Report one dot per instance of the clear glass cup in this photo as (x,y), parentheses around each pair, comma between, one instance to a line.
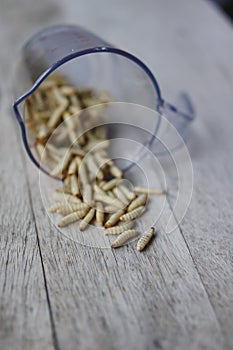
(87,60)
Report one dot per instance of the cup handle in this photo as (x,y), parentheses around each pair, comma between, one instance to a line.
(182,114)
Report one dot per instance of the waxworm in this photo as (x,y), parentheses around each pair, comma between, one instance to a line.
(96,145)
(108,200)
(98,190)
(110,185)
(102,160)
(116,230)
(133,214)
(145,239)
(130,195)
(63,190)
(72,167)
(158,191)
(61,197)
(55,207)
(115,171)
(119,194)
(110,209)
(110,194)
(56,115)
(59,169)
(70,218)
(74,187)
(93,167)
(100,214)
(82,172)
(66,182)
(124,237)
(114,218)
(87,219)
(87,194)
(141,200)
(70,208)
(40,150)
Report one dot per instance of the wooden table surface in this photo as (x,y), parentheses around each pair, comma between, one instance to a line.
(57,294)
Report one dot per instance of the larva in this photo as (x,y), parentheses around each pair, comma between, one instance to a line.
(72,217)
(72,167)
(70,208)
(145,239)
(158,191)
(110,185)
(133,214)
(100,214)
(115,171)
(87,194)
(87,219)
(124,237)
(141,200)
(130,195)
(112,201)
(82,172)
(61,197)
(58,170)
(114,218)
(74,187)
(93,167)
(119,194)
(116,230)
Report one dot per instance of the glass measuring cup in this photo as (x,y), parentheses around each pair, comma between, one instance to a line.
(87,60)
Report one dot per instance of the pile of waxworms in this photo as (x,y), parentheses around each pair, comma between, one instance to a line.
(93,186)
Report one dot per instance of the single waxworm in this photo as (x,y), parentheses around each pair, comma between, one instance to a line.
(102,160)
(70,208)
(55,207)
(141,200)
(130,195)
(59,169)
(87,194)
(100,214)
(72,167)
(108,200)
(115,171)
(158,191)
(114,218)
(43,132)
(133,214)
(96,145)
(70,218)
(93,167)
(145,239)
(110,209)
(82,172)
(98,190)
(61,197)
(40,150)
(119,194)
(109,185)
(74,186)
(87,219)
(111,194)
(56,115)
(124,237)
(116,230)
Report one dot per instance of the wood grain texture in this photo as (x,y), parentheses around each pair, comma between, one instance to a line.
(178,293)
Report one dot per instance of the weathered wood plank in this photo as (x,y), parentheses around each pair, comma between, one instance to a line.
(25,319)
(24,313)
(123,299)
(103,299)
